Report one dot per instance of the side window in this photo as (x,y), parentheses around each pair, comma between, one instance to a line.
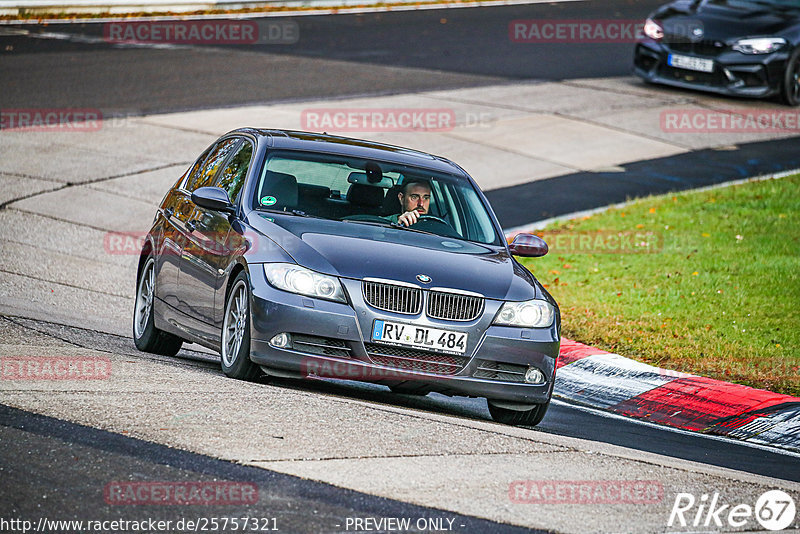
(205,175)
(232,176)
(194,169)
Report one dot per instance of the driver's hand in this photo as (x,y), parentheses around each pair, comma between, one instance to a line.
(408,218)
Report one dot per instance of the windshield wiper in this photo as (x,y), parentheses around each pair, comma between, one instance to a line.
(388,224)
(402,227)
(371,223)
(296,213)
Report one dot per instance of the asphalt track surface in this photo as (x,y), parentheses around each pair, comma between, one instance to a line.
(57,469)
(66,466)
(543,199)
(336,57)
(370,54)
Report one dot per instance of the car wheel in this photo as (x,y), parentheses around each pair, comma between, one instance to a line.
(235,342)
(790,92)
(146,336)
(530,417)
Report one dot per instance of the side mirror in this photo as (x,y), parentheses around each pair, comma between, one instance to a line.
(528,245)
(213,198)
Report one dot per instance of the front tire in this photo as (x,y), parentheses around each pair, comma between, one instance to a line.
(530,417)
(790,89)
(235,342)
(146,336)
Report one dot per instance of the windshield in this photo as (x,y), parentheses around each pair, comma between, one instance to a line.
(354,190)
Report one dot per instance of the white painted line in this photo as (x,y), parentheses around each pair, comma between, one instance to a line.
(288,13)
(605,380)
(779,429)
(88,39)
(611,415)
(539,225)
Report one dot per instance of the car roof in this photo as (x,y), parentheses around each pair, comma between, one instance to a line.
(346,146)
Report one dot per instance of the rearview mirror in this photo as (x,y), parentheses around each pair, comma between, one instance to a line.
(528,245)
(212,198)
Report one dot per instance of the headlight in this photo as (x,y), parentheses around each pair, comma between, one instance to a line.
(759,45)
(296,279)
(653,29)
(528,314)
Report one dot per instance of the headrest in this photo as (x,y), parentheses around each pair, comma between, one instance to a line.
(365,195)
(282,186)
(391,204)
(313,191)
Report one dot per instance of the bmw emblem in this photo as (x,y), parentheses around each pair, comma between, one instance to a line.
(697,32)
(424,278)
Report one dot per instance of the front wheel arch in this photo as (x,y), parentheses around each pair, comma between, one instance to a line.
(790,92)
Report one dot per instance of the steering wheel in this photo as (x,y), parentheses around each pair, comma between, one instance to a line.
(432,218)
(435,225)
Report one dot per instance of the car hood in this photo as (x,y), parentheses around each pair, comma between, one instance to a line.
(724,20)
(353,250)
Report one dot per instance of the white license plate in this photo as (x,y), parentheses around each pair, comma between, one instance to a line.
(690,63)
(419,337)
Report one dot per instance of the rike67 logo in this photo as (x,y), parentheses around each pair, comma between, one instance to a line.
(773,510)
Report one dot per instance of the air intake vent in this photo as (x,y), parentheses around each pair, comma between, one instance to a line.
(507,372)
(415,360)
(322,346)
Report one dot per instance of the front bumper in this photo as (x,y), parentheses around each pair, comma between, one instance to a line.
(734,74)
(333,339)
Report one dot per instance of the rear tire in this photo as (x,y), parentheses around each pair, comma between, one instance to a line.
(790,89)
(235,337)
(146,336)
(530,417)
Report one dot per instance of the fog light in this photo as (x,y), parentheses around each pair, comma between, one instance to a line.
(282,341)
(534,376)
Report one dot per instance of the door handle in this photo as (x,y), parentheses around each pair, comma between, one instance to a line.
(191,225)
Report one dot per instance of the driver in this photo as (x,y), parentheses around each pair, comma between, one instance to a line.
(415,199)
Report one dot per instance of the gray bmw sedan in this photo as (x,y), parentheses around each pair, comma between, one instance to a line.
(297,254)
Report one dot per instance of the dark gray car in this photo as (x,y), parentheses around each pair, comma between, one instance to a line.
(282,251)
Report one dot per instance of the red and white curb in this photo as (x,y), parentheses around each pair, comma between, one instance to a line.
(610,382)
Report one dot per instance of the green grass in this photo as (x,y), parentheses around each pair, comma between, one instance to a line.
(718,296)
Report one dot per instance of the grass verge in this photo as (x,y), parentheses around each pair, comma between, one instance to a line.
(705,282)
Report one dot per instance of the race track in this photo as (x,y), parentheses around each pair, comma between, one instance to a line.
(322,453)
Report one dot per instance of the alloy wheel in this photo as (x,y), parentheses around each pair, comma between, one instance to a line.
(144,297)
(235,324)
